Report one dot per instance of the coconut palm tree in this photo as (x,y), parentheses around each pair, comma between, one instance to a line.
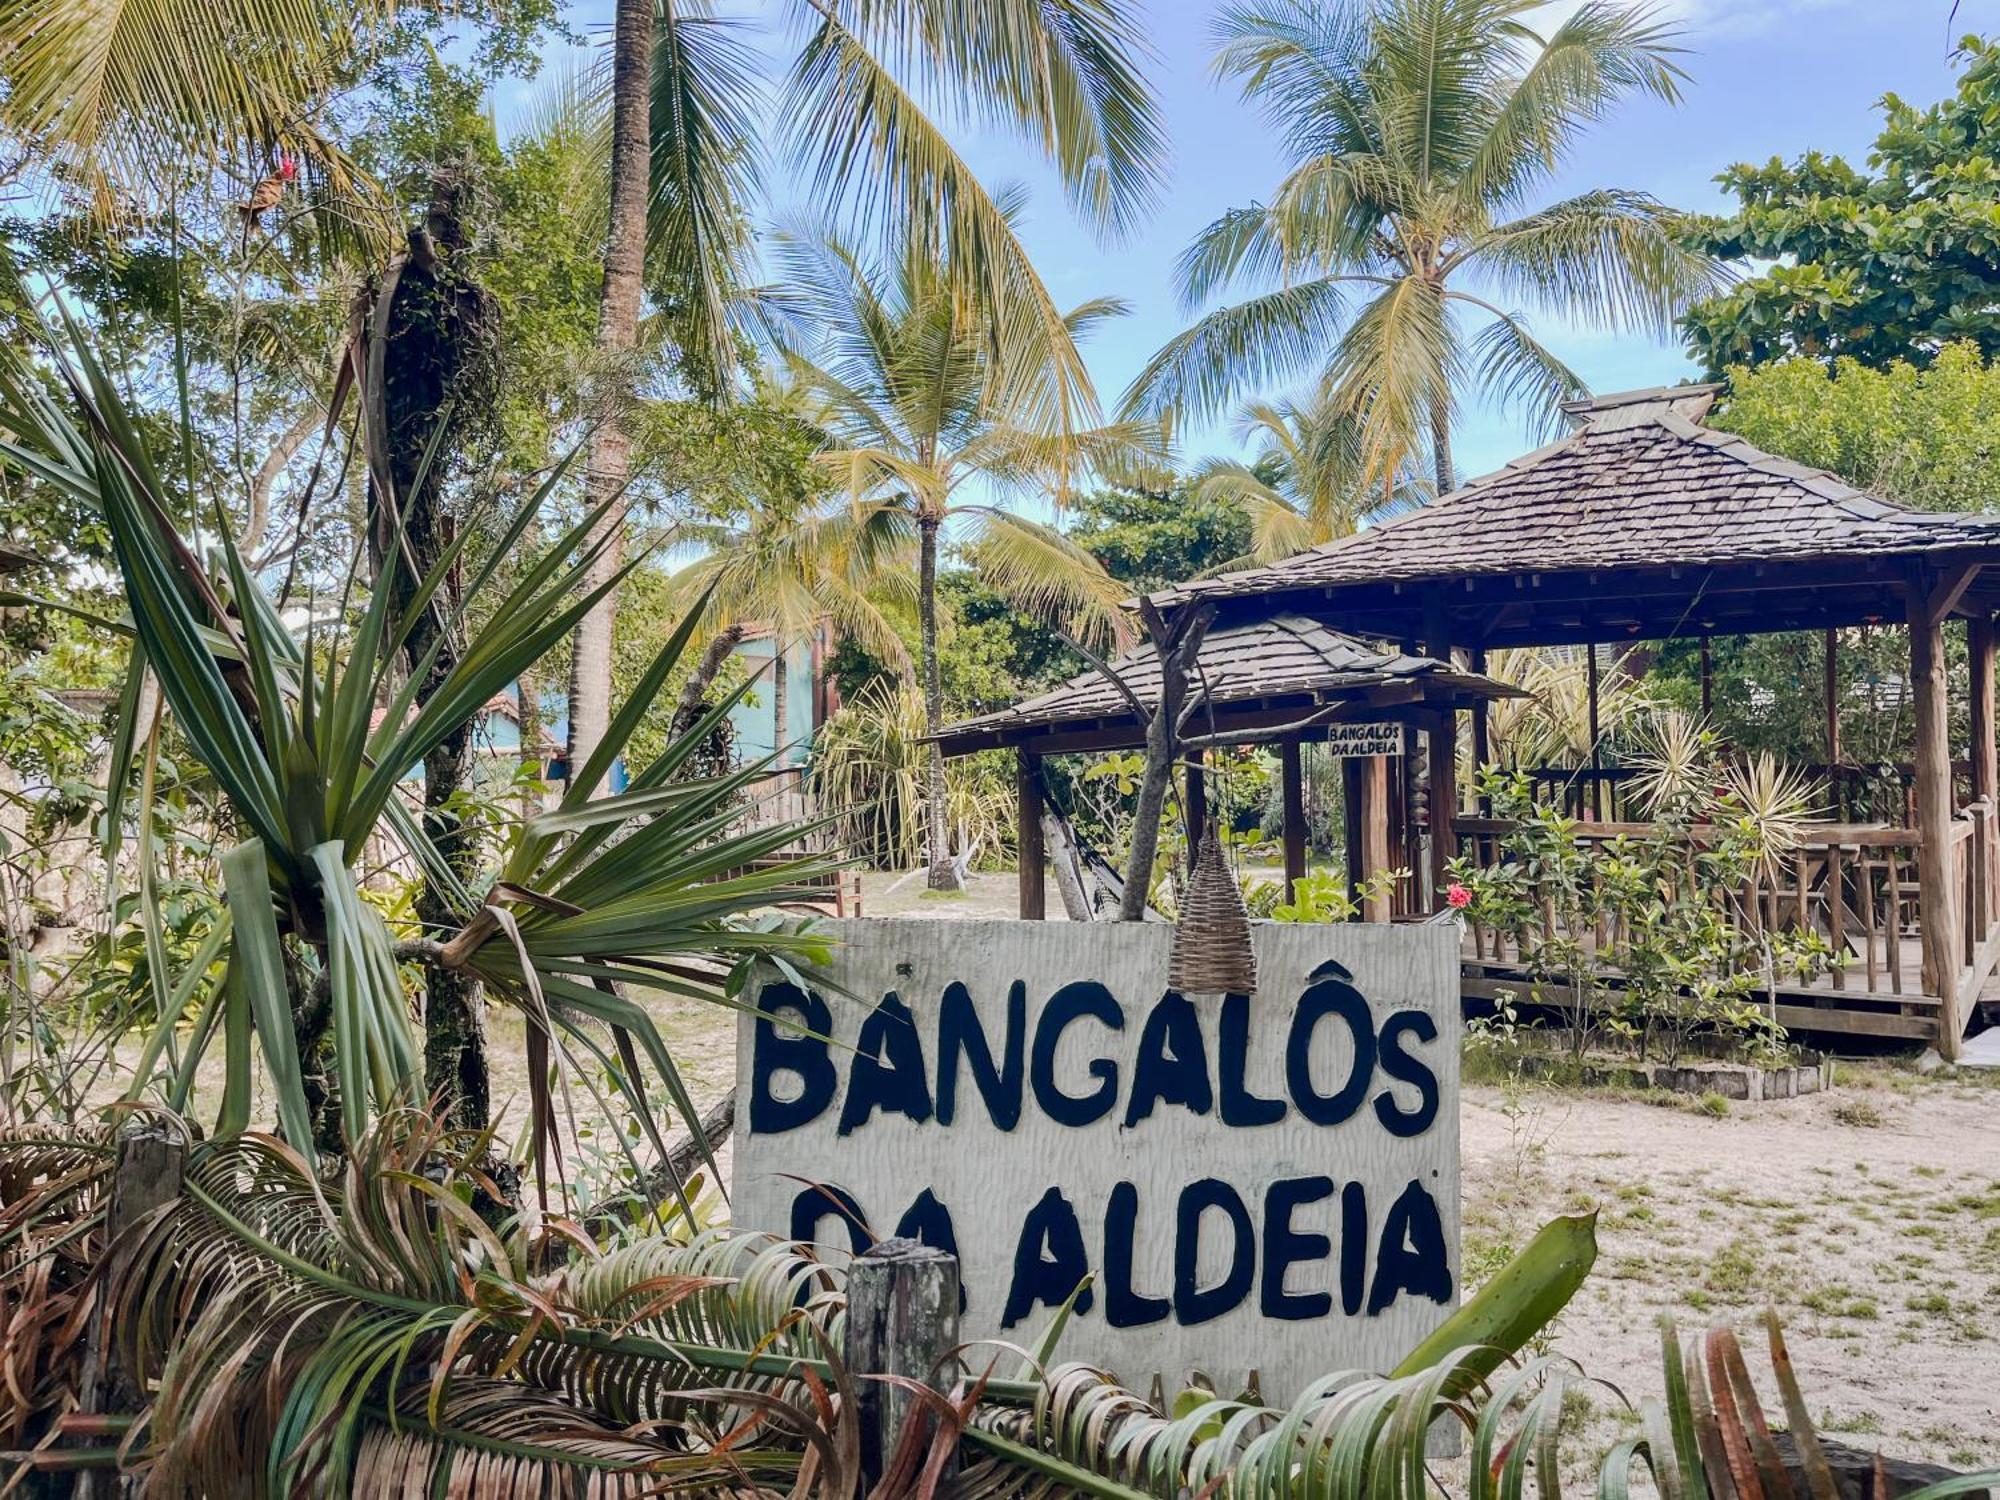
(1310,481)
(1405,237)
(939,406)
(1060,74)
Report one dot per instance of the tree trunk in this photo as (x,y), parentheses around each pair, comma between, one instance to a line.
(1152,804)
(1441,451)
(435,329)
(781,703)
(693,701)
(529,686)
(608,466)
(943,873)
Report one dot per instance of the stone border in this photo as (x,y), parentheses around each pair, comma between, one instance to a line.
(1740,1083)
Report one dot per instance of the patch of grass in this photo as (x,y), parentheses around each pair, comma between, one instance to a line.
(1931,1304)
(1837,1301)
(1860,1422)
(1859,1113)
(1713,1105)
(944,895)
(1482,1257)
(1733,1271)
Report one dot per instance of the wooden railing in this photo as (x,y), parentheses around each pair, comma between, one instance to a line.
(1851,793)
(1855,884)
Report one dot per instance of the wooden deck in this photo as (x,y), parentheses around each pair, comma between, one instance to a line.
(1858,886)
(1815,1007)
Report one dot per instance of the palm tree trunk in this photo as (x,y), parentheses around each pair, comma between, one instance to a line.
(1441,450)
(694,692)
(609,464)
(943,873)
(780,702)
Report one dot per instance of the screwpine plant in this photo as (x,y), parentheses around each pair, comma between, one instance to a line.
(1640,939)
(307,735)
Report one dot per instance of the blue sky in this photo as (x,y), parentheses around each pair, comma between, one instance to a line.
(1769,77)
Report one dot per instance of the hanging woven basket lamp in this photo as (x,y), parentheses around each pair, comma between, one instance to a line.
(1211,953)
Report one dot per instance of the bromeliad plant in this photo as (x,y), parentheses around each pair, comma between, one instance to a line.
(309,734)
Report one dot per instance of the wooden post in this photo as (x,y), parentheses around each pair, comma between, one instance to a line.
(151,1157)
(1028,836)
(1443,757)
(1291,768)
(1352,811)
(1707,679)
(1197,803)
(902,1320)
(1833,697)
(1979,651)
(1482,747)
(1596,732)
(1937,891)
(1375,832)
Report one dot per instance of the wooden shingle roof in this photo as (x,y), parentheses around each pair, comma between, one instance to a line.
(1641,483)
(1266,672)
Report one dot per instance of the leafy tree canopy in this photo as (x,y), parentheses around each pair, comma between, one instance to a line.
(1882,265)
(1922,436)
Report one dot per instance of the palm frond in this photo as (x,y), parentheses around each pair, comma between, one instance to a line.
(1515,369)
(1602,52)
(864,138)
(1610,253)
(704,169)
(1049,575)
(1263,341)
(128,96)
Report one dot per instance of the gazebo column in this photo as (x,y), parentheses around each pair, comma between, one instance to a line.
(1979,652)
(1028,835)
(1292,769)
(1197,802)
(1938,903)
(1482,742)
(1374,819)
(1443,758)
(1352,813)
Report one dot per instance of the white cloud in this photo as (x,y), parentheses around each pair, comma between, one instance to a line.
(1722,20)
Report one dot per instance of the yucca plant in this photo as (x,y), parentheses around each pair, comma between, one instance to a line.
(308,738)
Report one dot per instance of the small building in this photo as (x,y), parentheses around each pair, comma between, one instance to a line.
(1285,681)
(1646,525)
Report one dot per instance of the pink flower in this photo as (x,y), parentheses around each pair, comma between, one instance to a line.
(1457,895)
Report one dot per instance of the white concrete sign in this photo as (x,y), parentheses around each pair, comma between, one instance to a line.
(1261,1183)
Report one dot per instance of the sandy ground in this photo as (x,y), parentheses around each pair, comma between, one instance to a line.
(1868,1217)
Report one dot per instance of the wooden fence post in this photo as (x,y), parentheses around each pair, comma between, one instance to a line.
(902,1320)
(151,1158)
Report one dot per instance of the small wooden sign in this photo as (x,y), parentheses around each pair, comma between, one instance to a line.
(1262,1182)
(1365,739)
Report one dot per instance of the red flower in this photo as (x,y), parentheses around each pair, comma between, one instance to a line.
(1457,895)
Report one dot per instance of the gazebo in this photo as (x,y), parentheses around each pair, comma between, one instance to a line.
(1645,525)
(1283,679)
